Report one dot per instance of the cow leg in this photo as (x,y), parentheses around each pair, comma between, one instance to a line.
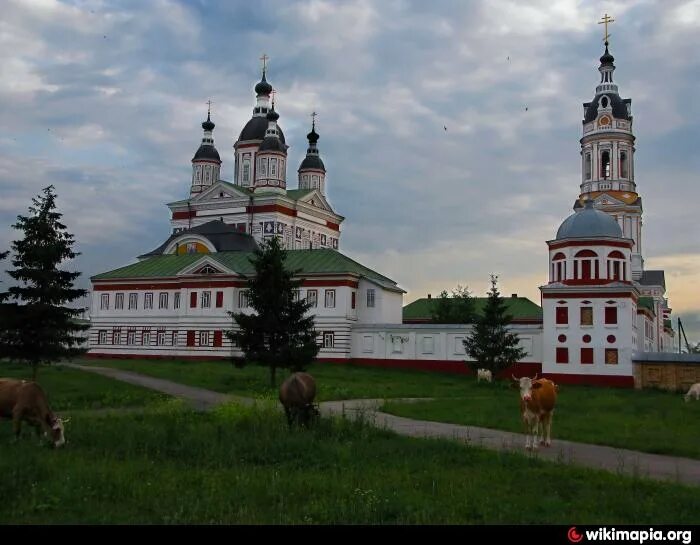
(548,441)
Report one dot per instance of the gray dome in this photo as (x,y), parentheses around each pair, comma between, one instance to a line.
(207,151)
(255,130)
(312,161)
(272,143)
(589,223)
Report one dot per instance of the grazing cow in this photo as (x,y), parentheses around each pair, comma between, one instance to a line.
(484,374)
(22,400)
(694,391)
(537,399)
(297,395)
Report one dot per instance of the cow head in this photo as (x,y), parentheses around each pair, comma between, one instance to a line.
(57,436)
(526,385)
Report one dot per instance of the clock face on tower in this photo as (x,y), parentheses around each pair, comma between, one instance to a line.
(604,120)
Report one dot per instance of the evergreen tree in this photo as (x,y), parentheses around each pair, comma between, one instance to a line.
(455,309)
(36,325)
(277,334)
(491,346)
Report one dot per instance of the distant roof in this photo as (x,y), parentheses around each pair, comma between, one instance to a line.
(224,237)
(653,278)
(521,308)
(306,261)
(646,302)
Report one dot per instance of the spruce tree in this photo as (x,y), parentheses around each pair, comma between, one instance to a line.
(37,326)
(278,334)
(491,346)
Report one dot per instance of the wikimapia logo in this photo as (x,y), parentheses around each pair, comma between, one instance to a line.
(636,536)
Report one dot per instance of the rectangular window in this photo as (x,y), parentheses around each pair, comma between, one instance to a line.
(273,167)
(203,338)
(352,300)
(193,299)
(611,356)
(160,337)
(116,335)
(328,339)
(163,300)
(119,301)
(133,301)
(246,173)
(148,300)
(370,298)
(586,355)
(146,336)
(102,336)
(428,345)
(219,299)
(218,338)
(562,315)
(263,166)
(176,300)
(243,299)
(330,298)
(131,336)
(368,343)
(173,341)
(610,315)
(562,355)
(104,301)
(190,338)
(586,315)
(206,299)
(312,297)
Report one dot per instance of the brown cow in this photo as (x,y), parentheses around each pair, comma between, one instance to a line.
(22,400)
(297,394)
(537,399)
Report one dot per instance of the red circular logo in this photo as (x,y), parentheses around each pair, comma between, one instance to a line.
(611,338)
(573,535)
(586,338)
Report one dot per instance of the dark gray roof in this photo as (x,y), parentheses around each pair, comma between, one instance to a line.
(255,129)
(589,222)
(272,143)
(207,151)
(619,107)
(653,278)
(312,161)
(224,237)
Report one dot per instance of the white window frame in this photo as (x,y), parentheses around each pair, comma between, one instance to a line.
(160,337)
(371,297)
(204,338)
(205,300)
(176,300)
(329,297)
(163,296)
(148,300)
(312,297)
(104,301)
(131,336)
(146,336)
(119,301)
(328,339)
(102,336)
(133,301)
(243,299)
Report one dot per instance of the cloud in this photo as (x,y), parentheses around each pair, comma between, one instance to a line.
(105,100)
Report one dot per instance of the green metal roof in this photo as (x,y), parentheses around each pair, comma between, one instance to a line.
(296,194)
(521,308)
(646,302)
(306,261)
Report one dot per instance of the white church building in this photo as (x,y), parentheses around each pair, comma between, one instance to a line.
(599,309)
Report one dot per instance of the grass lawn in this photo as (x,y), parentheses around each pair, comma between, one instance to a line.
(241,465)
(70,389)
(649,420)
(333,381)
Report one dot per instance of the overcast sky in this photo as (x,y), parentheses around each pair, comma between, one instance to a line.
(105,100)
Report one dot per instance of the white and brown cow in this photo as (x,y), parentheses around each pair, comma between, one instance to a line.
(537,400)
(22,400)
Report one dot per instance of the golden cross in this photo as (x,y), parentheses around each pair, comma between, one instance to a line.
(264,59)
(605,20)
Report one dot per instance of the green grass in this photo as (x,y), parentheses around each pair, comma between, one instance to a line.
(241,465)
(649,420)
(70,389)
(333,381)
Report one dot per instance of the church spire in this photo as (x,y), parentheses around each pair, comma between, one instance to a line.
(206,163)
(271,169)
(312,172)
(262,91)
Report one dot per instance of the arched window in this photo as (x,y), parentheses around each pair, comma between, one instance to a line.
(605,164)
(246,172)
(586,265)
(558,267)
(624,170)
(273,167)
(587,166)
(263,166)
(617,266)
(604,102)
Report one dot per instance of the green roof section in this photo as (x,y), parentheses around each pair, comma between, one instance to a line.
(646,302)
(320,261)
(238,188)
(296,194)
(521,308)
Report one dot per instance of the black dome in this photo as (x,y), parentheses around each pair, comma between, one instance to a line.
(255,130)
(313,136)
(607,58)
(272,143)
(263,87)
(208,125)
(207,151)
(272,115)
(619,107)
(312,161)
